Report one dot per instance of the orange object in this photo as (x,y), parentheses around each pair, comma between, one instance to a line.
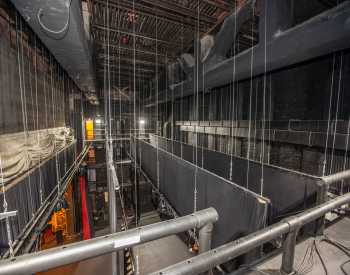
(91,155)
(195,248)
(59,221)
(89,128)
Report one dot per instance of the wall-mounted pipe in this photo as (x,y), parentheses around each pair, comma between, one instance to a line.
(51,258)
(243,245)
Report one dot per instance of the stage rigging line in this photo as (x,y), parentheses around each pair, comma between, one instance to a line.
(336,110)
(157,104)
(197,56)
(233,94)
(270,119)
(262,157)
(250,95)
(255,115)
(37,119)
(182,89)
(135,124)
(32,106)
(329,118)
(345,155)
(20,55)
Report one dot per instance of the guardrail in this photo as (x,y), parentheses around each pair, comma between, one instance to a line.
(288,227)
(51,258)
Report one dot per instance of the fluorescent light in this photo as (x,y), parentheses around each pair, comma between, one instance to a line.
(142,121)
(98,121)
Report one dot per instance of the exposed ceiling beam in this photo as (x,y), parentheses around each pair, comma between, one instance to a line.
(179,9)
(126,67)
(116,48)
(123,60)
(225,6)
(136,34)
(169,17)
(126,73)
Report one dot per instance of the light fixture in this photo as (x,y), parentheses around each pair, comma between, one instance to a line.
(98,121)
(142,121)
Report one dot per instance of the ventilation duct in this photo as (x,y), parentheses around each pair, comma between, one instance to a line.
(60,26)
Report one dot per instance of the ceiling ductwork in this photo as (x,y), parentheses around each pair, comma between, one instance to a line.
(60,26)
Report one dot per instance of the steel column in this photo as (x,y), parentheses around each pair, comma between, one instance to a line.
(204,239)
(289,253)
(205,234)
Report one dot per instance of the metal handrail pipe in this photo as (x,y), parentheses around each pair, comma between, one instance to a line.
(343,175)
(229,251)
(51,258)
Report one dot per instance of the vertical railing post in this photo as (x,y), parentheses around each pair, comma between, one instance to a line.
(289,253)
(204,239)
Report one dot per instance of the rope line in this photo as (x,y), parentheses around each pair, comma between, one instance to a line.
(329,118)
(250,98)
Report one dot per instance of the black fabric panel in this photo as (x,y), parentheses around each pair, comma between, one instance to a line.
(24,196)
(288,190)
(241,211)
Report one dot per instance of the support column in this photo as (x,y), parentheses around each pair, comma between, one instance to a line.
(289,253)
(205,237)
(112,201)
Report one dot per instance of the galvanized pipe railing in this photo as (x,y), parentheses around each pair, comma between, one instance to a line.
(343,175)
(229,251)
(51,258)
(46,209)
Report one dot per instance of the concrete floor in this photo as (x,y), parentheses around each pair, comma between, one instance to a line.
(158,254)
(155,255)
(332,256)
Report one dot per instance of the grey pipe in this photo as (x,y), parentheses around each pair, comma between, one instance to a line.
(337,177)
(204,239)
(289,252)
(229,251)
(51,258)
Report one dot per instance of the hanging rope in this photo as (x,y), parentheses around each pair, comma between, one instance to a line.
(233,95)
(135,125)
(255,118)
(37,119)
(121,191)
(197,54)
(182,91)
(262,158)
(329,118)
(337,111)
(20,60)
(157,104)
(250,97)
(203,110)
(345,155)
(54,125)
(270,119)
